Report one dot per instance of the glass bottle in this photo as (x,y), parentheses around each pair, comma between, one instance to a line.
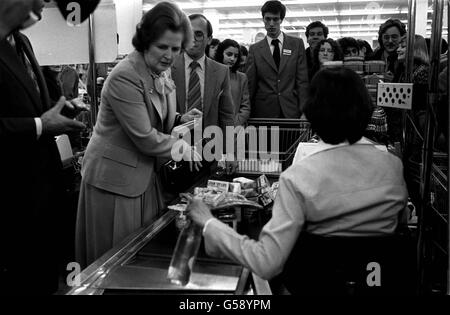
(184,255)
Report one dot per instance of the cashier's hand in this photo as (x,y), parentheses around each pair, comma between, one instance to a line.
(54,123)
(191,115)
(198,211)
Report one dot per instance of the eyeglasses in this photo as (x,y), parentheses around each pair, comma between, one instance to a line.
(386,37)
(199,36)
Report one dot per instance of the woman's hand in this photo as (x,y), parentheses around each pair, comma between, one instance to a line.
(191,115)
(198,211)
(194,159)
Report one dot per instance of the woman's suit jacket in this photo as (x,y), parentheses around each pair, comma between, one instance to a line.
(130,132)
(241,97)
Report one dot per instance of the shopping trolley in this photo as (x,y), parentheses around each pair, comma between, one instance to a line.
(275,153)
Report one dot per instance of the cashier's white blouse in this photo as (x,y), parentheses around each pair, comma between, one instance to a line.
(335,190)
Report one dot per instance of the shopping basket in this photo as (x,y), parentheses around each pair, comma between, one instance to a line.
(275,152)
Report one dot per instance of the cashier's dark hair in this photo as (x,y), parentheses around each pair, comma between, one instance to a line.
(339,107)
(164,16)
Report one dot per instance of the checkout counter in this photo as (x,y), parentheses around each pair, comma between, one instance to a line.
(140,263)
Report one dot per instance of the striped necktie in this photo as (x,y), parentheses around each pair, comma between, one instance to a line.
(194,95)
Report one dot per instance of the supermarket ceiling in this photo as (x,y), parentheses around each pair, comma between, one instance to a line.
(241,19)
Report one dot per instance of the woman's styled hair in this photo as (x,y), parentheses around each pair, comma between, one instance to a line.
(222,47)
(164,16)
(339,107)
(387,25)
(338,54)
(421,50)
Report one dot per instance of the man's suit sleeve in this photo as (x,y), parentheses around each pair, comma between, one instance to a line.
(251,74)
(226,105)
(244,108)
(17,126)
(22,127)
(301,79)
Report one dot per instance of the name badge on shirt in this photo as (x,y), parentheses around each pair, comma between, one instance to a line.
(287,52)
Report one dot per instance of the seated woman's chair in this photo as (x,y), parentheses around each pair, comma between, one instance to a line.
(319,265)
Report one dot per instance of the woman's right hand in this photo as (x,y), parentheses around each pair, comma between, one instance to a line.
(191,115)
(194,158)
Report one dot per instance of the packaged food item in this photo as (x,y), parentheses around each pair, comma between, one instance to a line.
(235,188)
(245,182)
(247,193)
(219,185)
(265,199)
(262,182)
(274,189)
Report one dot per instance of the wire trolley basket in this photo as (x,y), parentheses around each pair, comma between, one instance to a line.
(270,144)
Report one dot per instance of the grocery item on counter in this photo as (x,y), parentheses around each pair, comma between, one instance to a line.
(262,182)
(218,185)
(274,189)
(235,188)
(245,182)
(251,192)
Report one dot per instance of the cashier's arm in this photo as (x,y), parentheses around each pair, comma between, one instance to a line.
(265,257)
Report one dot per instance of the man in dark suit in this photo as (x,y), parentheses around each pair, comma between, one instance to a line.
(277,72)
(30,163)
(315,32)
(202,83)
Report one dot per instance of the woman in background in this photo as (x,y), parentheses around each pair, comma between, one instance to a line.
(229,54)
(211,49)
(326,50)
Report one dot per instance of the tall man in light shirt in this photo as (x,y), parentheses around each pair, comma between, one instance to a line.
(201,82)
(277,71)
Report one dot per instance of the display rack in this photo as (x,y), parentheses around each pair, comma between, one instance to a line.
(432,176)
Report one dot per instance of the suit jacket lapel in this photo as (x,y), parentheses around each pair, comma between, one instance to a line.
(265,51)
(179,77)
(286,45)
(11,60)
(149,85)
(210,85)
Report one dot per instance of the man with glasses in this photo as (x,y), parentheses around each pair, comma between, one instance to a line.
(389,36)
(277,71)
(203,84)
(315,32)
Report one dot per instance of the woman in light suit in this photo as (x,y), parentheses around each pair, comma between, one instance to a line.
(120,191)
(229,54)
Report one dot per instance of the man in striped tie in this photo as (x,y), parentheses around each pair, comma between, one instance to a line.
(201,82)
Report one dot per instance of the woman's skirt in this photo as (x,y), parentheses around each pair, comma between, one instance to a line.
(105,219)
